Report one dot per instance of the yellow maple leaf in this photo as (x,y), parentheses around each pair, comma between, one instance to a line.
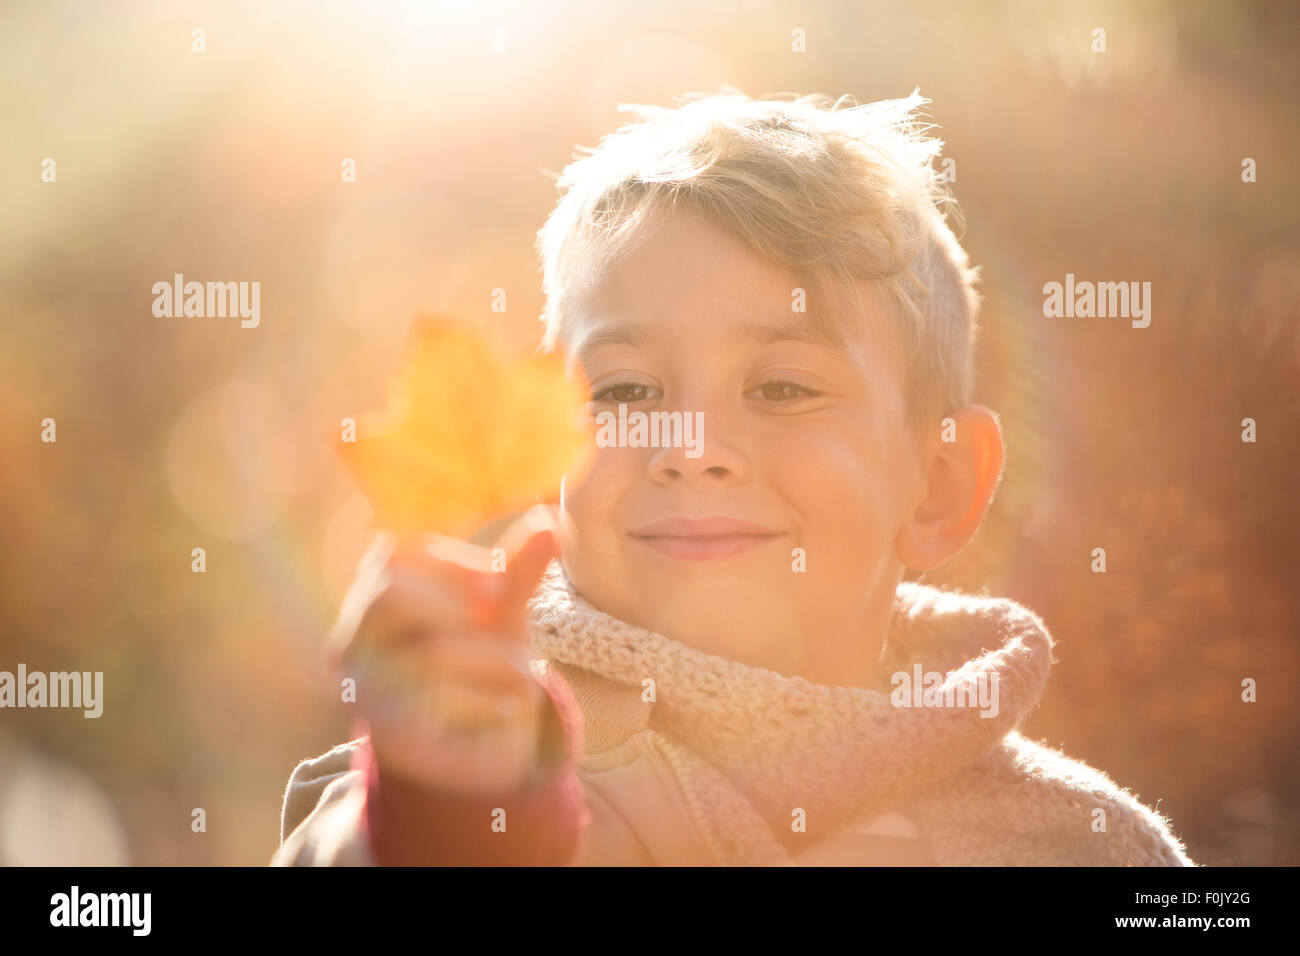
(467,437)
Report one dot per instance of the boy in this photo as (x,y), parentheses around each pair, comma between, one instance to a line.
(727,666)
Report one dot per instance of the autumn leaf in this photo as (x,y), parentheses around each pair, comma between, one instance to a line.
(468,438)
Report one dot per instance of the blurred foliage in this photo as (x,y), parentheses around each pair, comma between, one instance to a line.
(175,434)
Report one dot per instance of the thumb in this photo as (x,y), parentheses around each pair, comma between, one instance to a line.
(530,544)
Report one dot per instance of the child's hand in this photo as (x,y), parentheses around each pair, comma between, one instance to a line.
(438,645)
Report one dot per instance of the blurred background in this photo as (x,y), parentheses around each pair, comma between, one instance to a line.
(225,164)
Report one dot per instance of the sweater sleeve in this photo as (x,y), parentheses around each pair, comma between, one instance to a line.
(404,823)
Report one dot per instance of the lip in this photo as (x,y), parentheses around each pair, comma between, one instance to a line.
(704,538)
(711,527)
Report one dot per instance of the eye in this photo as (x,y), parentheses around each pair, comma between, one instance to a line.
(623,393)
(777,390)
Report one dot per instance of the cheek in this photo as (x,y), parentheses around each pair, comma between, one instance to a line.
(592,505)
(841,482)
(593,514)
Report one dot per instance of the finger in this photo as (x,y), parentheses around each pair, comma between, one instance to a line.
(450,681)
(468,660)
(443,548)
(531,543)
(364,584)
(440,555)
(467,566)
(459,707)
(407,606)
(379,551)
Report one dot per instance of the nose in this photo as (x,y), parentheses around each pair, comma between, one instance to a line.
(716,459)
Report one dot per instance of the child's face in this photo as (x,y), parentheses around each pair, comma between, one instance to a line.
(806,442)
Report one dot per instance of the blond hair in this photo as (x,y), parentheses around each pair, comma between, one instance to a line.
(838,192)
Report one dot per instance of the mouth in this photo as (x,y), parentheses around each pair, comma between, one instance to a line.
(704,538)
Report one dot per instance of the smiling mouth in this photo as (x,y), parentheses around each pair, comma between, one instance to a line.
(705,547)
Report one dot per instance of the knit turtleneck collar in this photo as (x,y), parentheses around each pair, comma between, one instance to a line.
(843,755)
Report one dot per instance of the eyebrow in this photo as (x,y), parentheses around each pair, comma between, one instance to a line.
(762,334)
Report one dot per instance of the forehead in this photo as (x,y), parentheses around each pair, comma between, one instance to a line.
(758,332)
(684,278)
(679,257)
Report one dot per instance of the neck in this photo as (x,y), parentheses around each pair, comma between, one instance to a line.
(849,655)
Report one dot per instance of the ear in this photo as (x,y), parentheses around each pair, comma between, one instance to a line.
(961,476)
